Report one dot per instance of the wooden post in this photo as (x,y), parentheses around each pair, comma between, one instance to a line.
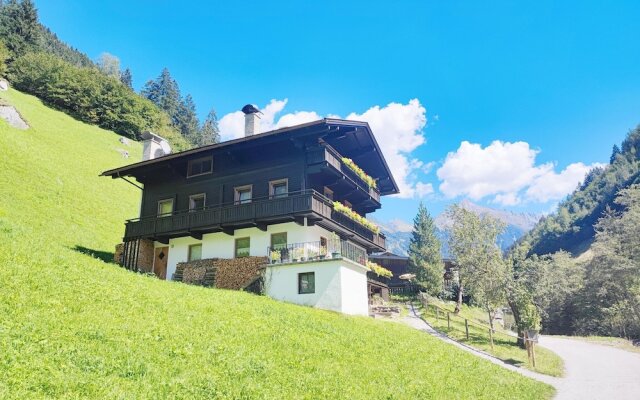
(491,337)
(466,327)
(533,353)
(448,321)
(526,344)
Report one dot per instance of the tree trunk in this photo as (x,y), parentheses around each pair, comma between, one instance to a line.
(459,302)
(488,307)
(516,318)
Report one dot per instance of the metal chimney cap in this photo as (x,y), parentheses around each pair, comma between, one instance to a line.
(250,109)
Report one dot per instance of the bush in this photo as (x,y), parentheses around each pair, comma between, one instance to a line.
(90,96)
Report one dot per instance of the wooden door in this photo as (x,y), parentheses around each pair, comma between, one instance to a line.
(161,255)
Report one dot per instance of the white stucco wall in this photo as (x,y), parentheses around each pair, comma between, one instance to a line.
(221,245)
(340,285)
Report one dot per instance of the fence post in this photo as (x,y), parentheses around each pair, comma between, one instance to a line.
(533,354)
(448,321)
(526,344)
(466,327)
(491,337)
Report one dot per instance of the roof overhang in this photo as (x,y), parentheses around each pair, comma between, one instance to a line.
(352,139)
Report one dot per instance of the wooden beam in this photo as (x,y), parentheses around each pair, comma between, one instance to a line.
(164,240)
(228,231)
(299,221)
(195,235)
(262,227)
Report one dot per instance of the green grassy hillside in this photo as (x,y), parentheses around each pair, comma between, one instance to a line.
(73,326)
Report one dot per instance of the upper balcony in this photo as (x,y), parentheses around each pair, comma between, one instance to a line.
(260,213)
(326,164)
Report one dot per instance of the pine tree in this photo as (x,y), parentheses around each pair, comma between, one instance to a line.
(126,78)
(165,93)
(614,153)
(209,132)
(19,27)
(425,260)
(186,120)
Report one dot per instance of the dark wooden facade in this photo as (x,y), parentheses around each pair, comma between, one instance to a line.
(308,157)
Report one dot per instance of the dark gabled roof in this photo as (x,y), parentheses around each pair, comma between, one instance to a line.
(388,186)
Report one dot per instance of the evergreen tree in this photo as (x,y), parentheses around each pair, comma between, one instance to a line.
(19,27)
(425,260)
(209,132)
(126,78)
(164,92)
(4,54)
(186,120)
(614,153)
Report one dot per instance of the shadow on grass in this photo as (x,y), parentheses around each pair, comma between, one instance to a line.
(512,361)
(101,255)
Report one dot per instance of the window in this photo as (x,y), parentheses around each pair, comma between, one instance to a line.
(195,252)
(279,240)
(243,194)
(278,188)
(242,247)
(200,166)
(197,201)
(328,193)
(307,282)
(165,207)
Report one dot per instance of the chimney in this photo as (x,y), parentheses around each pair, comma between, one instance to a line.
(153,146)
(251,119)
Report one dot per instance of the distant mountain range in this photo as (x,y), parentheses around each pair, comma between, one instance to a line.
(398,232)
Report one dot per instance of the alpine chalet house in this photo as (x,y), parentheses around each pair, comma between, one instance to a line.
(292,201)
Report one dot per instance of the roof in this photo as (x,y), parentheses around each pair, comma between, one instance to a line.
(306,129)
(387,255)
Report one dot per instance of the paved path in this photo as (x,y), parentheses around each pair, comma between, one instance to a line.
(414,321)
(595,371)
(592,371)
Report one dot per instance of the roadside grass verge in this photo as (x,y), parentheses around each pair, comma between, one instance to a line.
(616,342)
(74,326)
(505,344)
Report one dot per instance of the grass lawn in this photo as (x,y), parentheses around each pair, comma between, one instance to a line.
(505,346)
(617,342)
(75,326)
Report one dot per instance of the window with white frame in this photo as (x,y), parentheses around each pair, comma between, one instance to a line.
(200,166)
(279,188)
(243,194)
(197,201)
(306,282)
(165,207)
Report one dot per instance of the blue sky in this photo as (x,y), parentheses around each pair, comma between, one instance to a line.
(557,83)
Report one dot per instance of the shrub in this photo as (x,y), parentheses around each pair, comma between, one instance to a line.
(90,96)
(363,175)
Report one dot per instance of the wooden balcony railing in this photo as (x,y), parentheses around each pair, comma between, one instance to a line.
(267,210)
(334,159)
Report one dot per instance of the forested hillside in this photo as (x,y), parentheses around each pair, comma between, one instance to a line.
(36,61)
(571,227)
(598,292)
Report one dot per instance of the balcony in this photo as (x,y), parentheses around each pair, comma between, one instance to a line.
(316,251)
(326,157)
(259,213)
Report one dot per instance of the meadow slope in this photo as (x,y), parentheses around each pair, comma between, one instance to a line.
(75,326)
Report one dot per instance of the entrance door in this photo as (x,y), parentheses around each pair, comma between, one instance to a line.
(161,255)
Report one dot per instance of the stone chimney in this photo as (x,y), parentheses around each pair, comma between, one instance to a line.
(153,146)
(251,119)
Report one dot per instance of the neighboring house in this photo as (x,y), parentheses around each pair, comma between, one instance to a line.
(399,266)
(295,196)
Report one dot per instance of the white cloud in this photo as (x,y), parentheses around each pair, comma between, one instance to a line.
(554,186)
(507,172)
(397,128)
(423,189)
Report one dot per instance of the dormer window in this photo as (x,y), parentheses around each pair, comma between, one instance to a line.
(200,166)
